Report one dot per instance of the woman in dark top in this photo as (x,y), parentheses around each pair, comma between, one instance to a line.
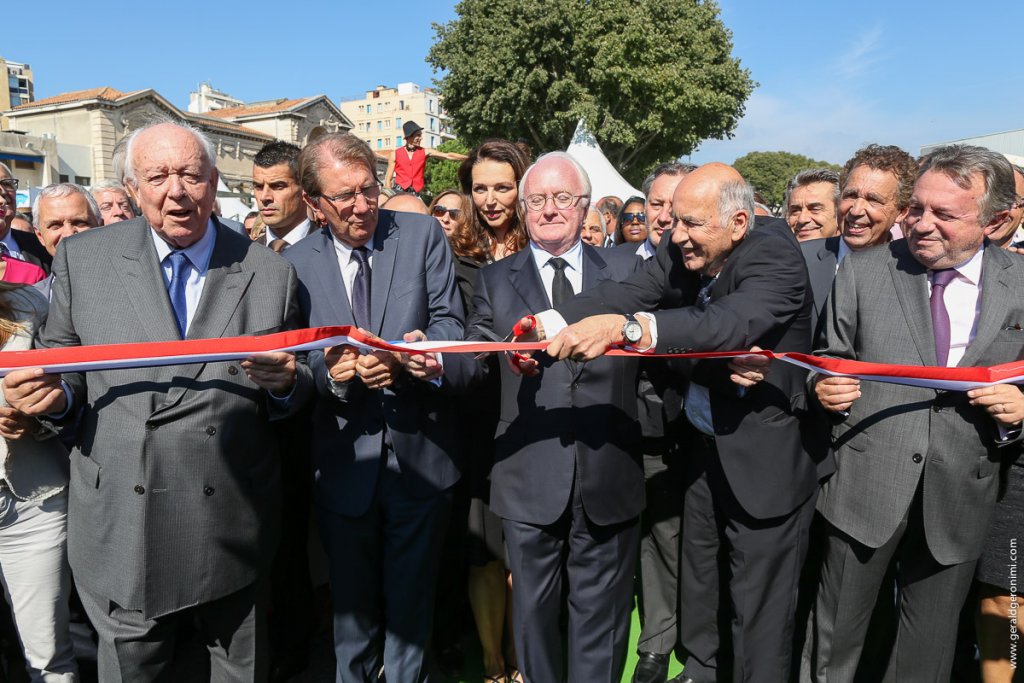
(494,229)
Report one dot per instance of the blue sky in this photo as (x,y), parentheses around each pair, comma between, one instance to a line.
(833,76)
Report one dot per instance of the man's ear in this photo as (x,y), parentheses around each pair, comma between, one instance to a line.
(740,224)
(997,222)
(318,216)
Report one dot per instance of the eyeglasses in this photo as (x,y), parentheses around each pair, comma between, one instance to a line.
(9,183)
(631,216)
(439,211)
(370,193)
(562,200)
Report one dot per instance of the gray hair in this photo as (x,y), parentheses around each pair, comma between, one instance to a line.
(61,190)
(809,177)
(205,144)
(673,168)
(565,156)
(600,217)
(7,168)
(960,162)
(106,185)
(736,195)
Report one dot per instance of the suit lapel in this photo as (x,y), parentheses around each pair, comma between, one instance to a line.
(385,249)
(526,281)
(143,279)
(594,270)
(996,297)
(331,283)
(910,279)
(225,284)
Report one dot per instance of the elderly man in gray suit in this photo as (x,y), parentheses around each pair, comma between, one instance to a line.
(174,480)
(917,469)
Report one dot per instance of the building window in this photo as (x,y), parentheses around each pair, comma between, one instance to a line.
(380,107)
(398,122)
(380,126)
(433,141)
(380,144)
(63,178)
(83,180)
(401,104)
(433,124)
(430,103)
(398,141)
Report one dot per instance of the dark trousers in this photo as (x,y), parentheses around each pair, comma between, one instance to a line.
(383,570)
(930,598)
(133,649)
(660,539)
(760,558)
(598,563)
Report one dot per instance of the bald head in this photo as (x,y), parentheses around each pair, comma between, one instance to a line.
(713,208)
(409,203)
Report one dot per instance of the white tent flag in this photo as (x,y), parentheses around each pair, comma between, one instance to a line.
(604,179)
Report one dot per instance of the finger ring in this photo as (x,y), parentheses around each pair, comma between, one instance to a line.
(579,357)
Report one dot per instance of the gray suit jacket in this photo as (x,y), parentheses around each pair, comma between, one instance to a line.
(895,435)
(35,467)
(174,480)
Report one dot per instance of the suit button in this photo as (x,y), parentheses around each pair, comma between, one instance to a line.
(232,370)
(936,408)
(208,490)
(211,430)
(151,427)
(917,458)
(575,385)
(140,489)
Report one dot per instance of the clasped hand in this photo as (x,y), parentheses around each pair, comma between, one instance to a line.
(380,369)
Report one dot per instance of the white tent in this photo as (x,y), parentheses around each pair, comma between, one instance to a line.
(604,179)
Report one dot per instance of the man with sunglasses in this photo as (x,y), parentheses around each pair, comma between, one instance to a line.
(20,245)
(384,442)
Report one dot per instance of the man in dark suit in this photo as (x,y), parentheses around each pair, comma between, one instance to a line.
(567,479)
(874,189)
(174,490)
(384,441)
(276,188)
(752,291)
(918,468)
(16,243)
(660,390)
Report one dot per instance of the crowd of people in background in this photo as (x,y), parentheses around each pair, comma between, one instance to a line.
(770,524)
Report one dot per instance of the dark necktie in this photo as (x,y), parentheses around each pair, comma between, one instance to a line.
(361,288)
(704,294)
(176,289)
(561,288)
(277,245)
(940,317)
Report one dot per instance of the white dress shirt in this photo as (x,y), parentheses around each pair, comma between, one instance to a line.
(963,303)
(573,267)
(645,250)
(199,261)
(292,236)
(844,250)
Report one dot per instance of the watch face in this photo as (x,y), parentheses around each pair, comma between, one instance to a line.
(633,332)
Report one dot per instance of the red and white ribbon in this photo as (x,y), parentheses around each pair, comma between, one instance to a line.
(192,351)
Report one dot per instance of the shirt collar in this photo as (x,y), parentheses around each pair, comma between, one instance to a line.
(198,254)
(971,269)
(844,250)
(645,250)
(573,258)
(292,236)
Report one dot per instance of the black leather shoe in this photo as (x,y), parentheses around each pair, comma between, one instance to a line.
(652,668)
(682,678)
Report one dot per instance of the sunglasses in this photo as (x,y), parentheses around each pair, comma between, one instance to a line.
(439,211)
(629,217)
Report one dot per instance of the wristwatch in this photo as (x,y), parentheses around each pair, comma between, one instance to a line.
(632,331)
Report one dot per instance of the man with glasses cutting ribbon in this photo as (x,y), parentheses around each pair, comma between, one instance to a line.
(384,440)
(567,479)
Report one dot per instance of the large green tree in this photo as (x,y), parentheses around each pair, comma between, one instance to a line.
(652,78)
(441,174)
(770,172)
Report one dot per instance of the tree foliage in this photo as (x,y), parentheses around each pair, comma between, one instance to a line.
(770,172)
(652,78)
(441,174)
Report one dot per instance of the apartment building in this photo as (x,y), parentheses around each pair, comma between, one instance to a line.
(378,118)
